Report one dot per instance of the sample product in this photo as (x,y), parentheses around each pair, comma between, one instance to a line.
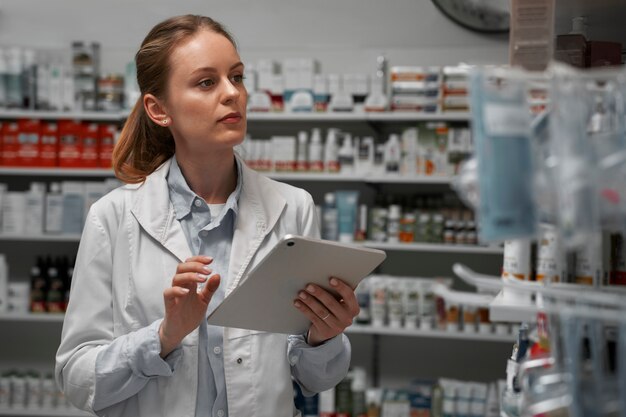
(347,214)
(550,255)
(330,218)
(516,259)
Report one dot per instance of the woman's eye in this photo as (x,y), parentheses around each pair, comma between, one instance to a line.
(206,83)
(238,78)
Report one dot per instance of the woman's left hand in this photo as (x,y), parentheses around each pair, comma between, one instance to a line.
(329,316)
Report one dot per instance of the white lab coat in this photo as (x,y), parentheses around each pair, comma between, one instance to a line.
(128,255)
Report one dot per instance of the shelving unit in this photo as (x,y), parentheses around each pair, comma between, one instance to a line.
(43,413)
(404,254)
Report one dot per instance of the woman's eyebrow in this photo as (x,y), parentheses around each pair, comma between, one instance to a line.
(212,69)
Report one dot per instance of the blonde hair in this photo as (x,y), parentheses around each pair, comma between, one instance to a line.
(143,145)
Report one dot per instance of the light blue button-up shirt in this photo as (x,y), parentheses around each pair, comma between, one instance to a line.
(209,231)
(211,234)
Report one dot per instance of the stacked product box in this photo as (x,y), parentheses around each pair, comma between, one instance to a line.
(454,92)
(65,143)
(415,89)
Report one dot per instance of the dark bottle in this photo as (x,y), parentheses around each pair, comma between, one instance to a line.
(38,287)
(55,300)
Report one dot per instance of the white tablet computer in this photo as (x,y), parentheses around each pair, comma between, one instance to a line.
(264,300)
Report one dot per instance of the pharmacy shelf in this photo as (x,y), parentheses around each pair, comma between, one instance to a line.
(281,176)
(64,172)
(42,412)
(435,247)
(436,334)
(356,116)
(40,238)
(33,317)
(372,179)
(96,116)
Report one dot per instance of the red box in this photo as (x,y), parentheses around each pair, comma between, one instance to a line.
(89,145)
(29,140)
(49,155)
(10,143)
(69,144)
(107,135)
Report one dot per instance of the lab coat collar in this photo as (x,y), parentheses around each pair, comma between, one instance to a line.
(260,206)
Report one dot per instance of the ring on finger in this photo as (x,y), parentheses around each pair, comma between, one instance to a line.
(326,316)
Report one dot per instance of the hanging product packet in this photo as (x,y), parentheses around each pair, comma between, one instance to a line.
(502,131)
(576,173)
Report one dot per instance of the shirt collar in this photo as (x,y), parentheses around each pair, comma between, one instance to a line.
(182,197)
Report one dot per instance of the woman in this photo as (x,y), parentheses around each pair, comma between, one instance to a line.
(158,254)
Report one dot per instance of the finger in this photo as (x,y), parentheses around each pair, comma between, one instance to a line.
(188,279)
(200,258)
(172,293)
(211,286)
(310,314)
(193,267)
(347,294)
(329,301)
(323,312)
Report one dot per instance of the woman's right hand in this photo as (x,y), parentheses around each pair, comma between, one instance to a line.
(185,307)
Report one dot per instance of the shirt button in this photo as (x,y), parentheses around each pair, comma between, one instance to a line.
(239,360)
(204,233)
(197,203)
(220,413)
(217,350)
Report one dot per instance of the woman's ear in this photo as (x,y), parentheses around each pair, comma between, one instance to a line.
(155,110)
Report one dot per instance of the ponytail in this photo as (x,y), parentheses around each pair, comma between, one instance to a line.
(141,148)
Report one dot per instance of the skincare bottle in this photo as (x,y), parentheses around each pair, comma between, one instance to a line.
(330,219)
(316,152)
(331,159)
(359,385)
(4,284)
(393,223)
(35,209)
(29,77)
(73,194)
(14,78)
(302,160)
(346,155)
(54,209)
(392,154)
(3,76)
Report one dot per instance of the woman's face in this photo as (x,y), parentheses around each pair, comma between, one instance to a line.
(206,98)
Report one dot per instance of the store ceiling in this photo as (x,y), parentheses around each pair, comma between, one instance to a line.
(606,19)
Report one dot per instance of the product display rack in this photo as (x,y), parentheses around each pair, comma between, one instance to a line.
(406,247)
(42,412)
(355,328)
(379,122)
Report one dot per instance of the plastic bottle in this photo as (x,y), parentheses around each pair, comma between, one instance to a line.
(3,82)
(393,223)
(4,283)
(35,209)
(330,225)
(13,78)
(38,288)
(54,209)
(359,385)
(346,155)
(316,152)
(378,220)
(331,157)
(29,79)
(302,160)
(392,154)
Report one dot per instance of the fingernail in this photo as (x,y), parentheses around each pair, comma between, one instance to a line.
(334,282)
(297,304)
(185,290)
(203,277)
(310,289)
(302,295)
(207,269)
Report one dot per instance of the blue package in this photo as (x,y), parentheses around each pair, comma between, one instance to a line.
(502,132)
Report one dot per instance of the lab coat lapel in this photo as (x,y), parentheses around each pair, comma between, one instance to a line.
(154,212)
(260,206)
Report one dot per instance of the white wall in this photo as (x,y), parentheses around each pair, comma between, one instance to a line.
(345,35)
